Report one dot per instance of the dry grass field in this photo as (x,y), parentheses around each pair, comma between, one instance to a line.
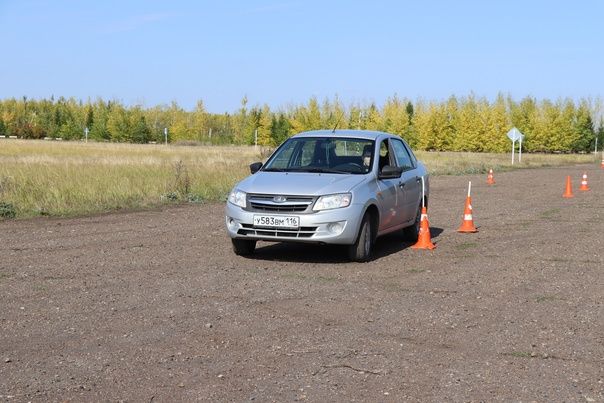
(74,178)
(54,178)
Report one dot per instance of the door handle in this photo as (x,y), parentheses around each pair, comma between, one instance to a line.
(418,179)
(401,184)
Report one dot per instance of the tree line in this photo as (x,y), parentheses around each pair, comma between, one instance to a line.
(467,123)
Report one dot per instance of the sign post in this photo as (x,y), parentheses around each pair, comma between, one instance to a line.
(166,135)
(423,193)
(515,135)
(86,134)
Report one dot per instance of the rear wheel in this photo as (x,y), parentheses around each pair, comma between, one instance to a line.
(360,251)
(243,247)
(412,233)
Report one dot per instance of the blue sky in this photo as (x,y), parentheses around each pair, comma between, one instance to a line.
(282,52)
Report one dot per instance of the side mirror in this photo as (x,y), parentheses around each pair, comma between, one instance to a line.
(255,167)
(390,172)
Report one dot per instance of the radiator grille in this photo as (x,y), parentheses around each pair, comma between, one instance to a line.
(286,204)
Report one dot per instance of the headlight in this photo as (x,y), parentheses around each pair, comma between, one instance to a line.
(333,201)
(237,197)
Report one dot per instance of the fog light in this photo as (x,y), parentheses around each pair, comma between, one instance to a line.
(232,224)
(336,227)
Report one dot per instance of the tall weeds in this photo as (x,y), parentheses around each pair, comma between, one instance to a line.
(68,178)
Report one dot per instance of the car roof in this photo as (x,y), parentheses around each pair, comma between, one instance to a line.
(361,134)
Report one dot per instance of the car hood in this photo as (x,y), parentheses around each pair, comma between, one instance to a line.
(299,183)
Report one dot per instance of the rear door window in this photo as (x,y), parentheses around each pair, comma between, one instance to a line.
(411,154)
(402,155)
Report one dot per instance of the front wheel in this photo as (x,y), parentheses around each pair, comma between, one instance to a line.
(243,247)
(411,233)
(360,251)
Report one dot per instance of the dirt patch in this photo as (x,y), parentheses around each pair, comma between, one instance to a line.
(154,305)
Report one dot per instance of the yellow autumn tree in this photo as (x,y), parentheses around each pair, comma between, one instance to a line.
(307,117)
(395,117)
(265,121)
(199,122)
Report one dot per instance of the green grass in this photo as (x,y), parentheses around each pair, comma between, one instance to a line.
(547,298)
(295,276)
(40,288)
(549,214)
(462,163)
(466,245)
(74,178)
(326,279)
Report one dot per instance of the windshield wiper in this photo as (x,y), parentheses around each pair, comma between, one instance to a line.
(317,170)
(274,170)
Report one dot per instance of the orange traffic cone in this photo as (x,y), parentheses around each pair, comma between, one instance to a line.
(423,240)
(584,186)
(568,193)
(467,224)
(602,165)
(490,178)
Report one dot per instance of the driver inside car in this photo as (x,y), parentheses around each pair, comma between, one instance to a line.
(367,156)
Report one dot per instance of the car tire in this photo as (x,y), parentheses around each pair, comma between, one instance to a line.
(243,247)
(361,250)
(411,233)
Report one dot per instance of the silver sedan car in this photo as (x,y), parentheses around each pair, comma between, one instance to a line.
(344,187)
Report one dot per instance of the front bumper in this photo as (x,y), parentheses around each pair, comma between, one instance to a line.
(337,226)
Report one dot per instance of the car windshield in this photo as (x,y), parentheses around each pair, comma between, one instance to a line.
(323,155)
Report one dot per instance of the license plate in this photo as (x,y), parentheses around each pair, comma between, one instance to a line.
(276,221)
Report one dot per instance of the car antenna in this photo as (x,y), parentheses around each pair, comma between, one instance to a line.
(338,122)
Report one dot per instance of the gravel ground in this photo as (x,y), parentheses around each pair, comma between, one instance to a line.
(154,306)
